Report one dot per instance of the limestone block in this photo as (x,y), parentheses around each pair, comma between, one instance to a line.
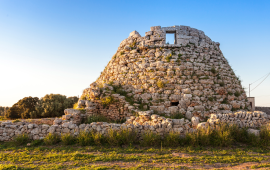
(186,91)
(173,109)
(134,34)
(187,96)
(195,120)
(71,111)
(189,115)
(178,121)
(57,121)
(254,131)
(146,96)
(178,130)
(30,126)
(203,125)
(175,98)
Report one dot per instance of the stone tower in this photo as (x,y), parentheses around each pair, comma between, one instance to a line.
(191,77)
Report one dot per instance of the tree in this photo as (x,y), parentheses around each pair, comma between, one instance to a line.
(3,110)
(53,105)
(22,108)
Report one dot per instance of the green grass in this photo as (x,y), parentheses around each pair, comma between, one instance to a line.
(96,157)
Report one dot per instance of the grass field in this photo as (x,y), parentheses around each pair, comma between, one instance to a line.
(131,157)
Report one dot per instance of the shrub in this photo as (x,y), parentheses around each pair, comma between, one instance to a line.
(107,101)
(17,120)
(96,118)
(68,139)
(237,94)
(160,84)
(211,99)
(222,84)
(113,137)
(37,142)
(51,139)
(177,116)
(121,137)
(265,135)
(85,138)
(150,139)
(213,70)
(221,136)
(128,137)
(168,58)
(198,138)
(171,139)
(99,139)
(21,139)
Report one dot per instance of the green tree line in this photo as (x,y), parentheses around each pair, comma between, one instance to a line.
(3,110)
(51,105)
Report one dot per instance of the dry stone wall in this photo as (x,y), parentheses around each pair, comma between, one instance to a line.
(263,109)
(145,122)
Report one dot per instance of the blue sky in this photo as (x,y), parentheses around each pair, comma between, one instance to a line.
(61,46)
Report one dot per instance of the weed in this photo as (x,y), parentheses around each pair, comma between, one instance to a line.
(150,138)
(222,84)
(51,139)
(68,139)
(107,101)
(213,70)
(98,138)
(171,139)
(85,138)
(160,84)
(37,142)
(17,120)
(21,139)
(237,94)
(225,101)
(96,118)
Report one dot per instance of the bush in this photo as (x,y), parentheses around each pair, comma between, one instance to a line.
(168,58)
(21,139)
(128,137)
(113,137)
(85,138)
(222,136)
(99,139)
(160,84)
(37,142)
(198,138)
(150,139)
(121,137)
(237,94)
(265,136)
(96,118)
(213,70)
(68,139)
(171,139)
(52,139)
(107,101)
